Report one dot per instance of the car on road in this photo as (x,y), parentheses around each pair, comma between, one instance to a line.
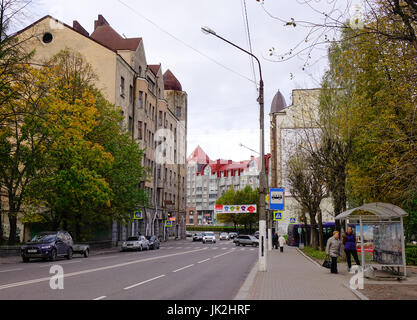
(224,236)
(198,236)
(188,234)
(246,240)
(256,234)
(153,242)
(137,243)
(209,237)
(232,235)
(48,245)
(83,249)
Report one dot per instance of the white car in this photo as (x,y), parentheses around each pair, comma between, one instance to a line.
(209,236)
(138,243)
(224,236)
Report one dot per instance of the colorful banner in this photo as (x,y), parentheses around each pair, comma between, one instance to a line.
(238,208)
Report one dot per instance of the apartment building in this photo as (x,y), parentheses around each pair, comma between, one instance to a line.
(151,101)
(207,180)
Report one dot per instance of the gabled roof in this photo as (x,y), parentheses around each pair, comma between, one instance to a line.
(278,103)
(171,82)
(106,35)
(198,156)
(154,68)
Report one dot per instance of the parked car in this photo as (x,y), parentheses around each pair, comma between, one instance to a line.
(256,234)
(198,236)
(246,240)
(232,235)
(153,242)
(135,243)
(188,234)
(48,245)
(83,249)
(209,237)
(224,236)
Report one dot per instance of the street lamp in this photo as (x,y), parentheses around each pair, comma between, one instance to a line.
(262,177)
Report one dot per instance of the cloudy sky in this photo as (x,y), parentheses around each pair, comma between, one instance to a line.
(223,110)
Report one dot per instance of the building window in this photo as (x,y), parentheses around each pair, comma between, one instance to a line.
(130,124)
(140,71)
(130,95)
(140,104)
(178,112)
(122,87)
(160,119)
(140,130)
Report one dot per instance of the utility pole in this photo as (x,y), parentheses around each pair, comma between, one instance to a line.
(262,178)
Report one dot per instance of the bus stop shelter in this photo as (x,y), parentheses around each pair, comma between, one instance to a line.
(381,231)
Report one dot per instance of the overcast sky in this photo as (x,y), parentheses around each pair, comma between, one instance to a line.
(222,106)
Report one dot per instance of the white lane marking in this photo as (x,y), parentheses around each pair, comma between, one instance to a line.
(100,298)
(58,262)
(224,248)
(72,274)
(215,248)
(203,260)
(219,255)
(242,249)
(179,247)
(101,258)
(183,268)
(10,270)
(146,281)
(252,249)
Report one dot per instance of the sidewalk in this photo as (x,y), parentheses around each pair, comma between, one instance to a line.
(292,276)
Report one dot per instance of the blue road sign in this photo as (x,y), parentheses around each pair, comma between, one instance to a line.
(276,198)
(168,223)
(293,220)
(137,215)
(277,215)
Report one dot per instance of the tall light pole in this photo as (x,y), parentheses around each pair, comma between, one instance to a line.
(262,178)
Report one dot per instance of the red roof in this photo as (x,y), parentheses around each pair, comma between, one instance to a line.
(106,35)
(171,82)
(154,68)
(199,156)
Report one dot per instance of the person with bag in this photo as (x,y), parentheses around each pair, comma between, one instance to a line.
(281,243)
(349,242)
(334,250)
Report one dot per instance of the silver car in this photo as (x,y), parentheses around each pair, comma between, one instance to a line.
(138,243)
(224,236)
(209,236)
(246,240)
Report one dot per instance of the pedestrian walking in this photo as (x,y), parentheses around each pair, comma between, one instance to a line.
(281,243)
(275,241)
(334,250)
(349,243)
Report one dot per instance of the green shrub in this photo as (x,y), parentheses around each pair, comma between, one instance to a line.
(411,255)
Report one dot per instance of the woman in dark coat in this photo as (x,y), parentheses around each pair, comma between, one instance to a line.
(349,242)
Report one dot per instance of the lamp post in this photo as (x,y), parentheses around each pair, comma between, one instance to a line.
(262,178)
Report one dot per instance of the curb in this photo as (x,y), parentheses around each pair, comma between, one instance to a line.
(308,258)
(357,293)
(243,292)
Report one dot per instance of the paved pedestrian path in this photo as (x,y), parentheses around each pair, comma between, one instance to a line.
(291,276)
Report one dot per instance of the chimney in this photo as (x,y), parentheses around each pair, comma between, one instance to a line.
(79,28)
(100,22)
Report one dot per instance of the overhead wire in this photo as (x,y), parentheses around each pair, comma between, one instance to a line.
(248,37)
(183,42)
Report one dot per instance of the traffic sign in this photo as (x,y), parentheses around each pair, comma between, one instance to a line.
(293,220)
(168,223)
(138,215)
(276,198)
(277,215)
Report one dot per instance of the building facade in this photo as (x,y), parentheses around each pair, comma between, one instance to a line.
(153,104)
(292,126)
(207,180)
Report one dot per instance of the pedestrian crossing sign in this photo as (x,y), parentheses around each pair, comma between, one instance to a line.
(138,215)
(293,220)
(168,223)
(277,215)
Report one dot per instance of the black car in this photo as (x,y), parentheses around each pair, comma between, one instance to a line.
(153,242)
(48,245)
(198,237)
(232,235)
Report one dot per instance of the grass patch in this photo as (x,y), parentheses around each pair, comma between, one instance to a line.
(318,255)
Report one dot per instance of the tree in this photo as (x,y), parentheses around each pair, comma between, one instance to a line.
(306,184)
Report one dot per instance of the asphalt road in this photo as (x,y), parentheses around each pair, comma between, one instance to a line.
(178,270)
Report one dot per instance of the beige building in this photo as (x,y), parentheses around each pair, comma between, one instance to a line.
(291,127)
(151,101)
